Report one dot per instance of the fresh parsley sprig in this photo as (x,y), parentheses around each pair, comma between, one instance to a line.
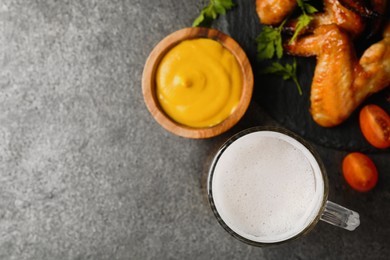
(211,12)
(287,71)
(304,19)
(269,42)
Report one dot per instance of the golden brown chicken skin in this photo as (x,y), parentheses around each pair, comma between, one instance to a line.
(341,82)
(352,19)
(333,13)
(373,71)
(336,13)
(273,12)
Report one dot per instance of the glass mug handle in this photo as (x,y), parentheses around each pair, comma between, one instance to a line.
(339,216)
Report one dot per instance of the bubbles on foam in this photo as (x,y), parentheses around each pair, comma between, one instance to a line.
(267,186)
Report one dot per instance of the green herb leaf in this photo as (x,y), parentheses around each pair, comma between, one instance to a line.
(288,71)
(304,19)
(305,7)
(310,9)
(269,43)
(211,12)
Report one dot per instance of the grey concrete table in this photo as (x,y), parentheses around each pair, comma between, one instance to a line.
(86,173)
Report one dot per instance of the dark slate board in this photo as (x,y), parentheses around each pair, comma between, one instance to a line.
(281,100)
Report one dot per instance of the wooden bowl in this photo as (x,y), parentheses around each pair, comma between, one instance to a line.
(149,83)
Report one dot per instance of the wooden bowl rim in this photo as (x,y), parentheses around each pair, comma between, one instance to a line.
(148,82)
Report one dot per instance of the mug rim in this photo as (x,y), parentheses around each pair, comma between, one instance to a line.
(280,130)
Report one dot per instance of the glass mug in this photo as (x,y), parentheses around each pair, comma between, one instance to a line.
(266,185)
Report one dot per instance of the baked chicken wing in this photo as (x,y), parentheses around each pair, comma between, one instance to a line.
(341,82)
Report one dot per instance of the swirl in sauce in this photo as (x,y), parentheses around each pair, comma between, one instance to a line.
(199,83)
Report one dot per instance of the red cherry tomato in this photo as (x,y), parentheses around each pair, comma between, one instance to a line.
(360,171)
(375,126)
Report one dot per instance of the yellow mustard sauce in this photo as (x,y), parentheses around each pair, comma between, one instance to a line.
(199,83)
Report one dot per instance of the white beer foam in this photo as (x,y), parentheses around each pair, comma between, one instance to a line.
(267,187)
